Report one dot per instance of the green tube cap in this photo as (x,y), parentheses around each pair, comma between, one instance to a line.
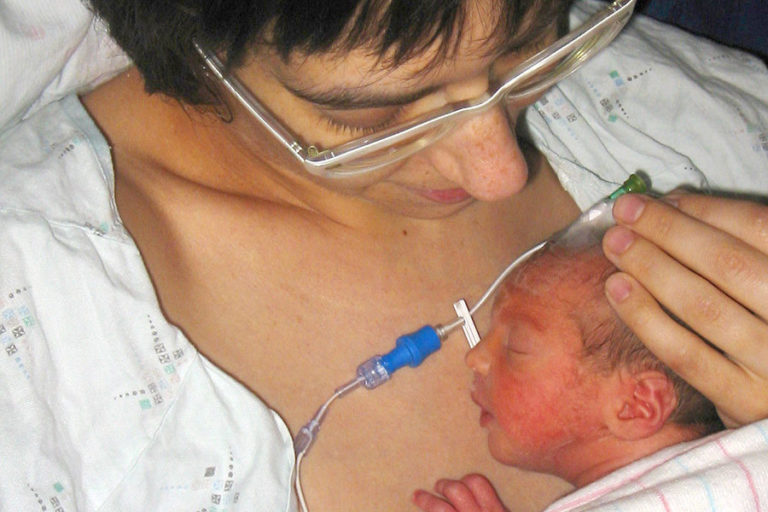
(635,184)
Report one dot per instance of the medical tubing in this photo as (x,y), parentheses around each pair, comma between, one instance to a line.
(589,228)
(306,436)
(600,213)
(635,184)
(445,330)
(411,349)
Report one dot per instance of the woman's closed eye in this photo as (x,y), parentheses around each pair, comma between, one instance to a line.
(360,122)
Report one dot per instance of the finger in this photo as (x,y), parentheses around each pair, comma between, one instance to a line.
(703,307)
(458,494)
(732,265)
(484,493)
(745,220)
(694,300)
(428,502)
(735,391)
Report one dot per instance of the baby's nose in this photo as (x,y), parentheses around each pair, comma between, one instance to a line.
(478,359)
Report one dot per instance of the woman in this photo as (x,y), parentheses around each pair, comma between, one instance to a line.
(287,279)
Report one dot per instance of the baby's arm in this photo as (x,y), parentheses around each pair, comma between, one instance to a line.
(473,493)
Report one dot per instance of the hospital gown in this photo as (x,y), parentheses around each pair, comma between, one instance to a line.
(104,405)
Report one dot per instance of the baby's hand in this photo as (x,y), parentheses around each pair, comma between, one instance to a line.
(473,493)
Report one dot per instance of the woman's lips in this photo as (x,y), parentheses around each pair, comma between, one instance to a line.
(444,195)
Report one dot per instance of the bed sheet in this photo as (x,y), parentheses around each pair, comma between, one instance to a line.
(680,108)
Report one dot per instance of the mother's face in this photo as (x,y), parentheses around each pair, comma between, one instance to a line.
(328,99)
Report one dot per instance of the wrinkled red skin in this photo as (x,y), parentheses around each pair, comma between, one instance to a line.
(538,398)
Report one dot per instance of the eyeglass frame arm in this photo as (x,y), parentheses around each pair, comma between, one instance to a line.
(621,9)
(247,100)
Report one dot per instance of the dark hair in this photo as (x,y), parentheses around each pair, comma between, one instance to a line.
(608,343)
(157,34)
(611,344)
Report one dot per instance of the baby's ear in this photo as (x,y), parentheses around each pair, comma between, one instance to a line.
(642,405)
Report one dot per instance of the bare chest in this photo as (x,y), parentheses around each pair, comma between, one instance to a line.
(291,313)
(298,332)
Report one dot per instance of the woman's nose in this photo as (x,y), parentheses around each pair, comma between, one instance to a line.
(483,157)
(478,359)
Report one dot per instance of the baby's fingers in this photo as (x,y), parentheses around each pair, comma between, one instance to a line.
(428,502)
(459,495)
(473,493)
(484,493)
(456,498)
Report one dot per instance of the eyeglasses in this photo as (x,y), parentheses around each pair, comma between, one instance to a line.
(364,154)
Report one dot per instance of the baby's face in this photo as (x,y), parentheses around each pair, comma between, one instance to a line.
(535,392)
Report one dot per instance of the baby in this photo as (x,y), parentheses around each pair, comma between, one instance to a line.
(564,387)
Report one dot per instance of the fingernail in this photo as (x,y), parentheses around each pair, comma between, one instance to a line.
(618,288)
(618,239)
(628,208)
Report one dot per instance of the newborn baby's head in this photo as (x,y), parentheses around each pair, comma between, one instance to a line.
(557,363)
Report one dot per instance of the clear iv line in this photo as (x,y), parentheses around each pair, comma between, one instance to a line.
(445,330)
(413,348)
(308,432)
(634,183)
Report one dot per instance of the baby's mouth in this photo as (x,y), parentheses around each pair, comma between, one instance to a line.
(485,414)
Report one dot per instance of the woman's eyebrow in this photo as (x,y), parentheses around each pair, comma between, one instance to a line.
(350,98)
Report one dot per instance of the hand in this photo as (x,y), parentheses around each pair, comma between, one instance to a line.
(706,260)
(473,493)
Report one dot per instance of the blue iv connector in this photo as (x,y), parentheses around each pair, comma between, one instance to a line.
(411,349)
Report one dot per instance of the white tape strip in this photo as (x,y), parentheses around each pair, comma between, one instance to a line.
(470,331)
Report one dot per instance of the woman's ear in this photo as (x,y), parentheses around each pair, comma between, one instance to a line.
(642,404)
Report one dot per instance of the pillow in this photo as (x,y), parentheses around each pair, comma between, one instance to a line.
(50,48)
